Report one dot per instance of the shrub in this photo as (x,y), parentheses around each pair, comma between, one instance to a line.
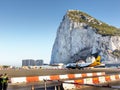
(101,27)
(116,53)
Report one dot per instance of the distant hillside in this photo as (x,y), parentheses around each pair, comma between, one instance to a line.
(100,27)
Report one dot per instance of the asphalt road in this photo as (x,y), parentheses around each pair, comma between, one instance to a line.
(43,72)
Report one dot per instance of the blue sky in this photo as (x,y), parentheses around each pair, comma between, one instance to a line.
(28,27)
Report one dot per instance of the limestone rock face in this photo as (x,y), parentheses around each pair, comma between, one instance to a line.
(77,40)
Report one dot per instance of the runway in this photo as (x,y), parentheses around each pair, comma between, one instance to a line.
(43,72)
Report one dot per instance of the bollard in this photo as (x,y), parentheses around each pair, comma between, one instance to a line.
(45,86)
(55,88)
(32,88)
(58,87)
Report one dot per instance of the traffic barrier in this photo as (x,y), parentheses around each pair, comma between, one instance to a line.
(70,76)
(96,80)
(63,76)
(54,77)
(32,79)
(68,86)
(117,76)
(90,81)
(107,78)
(18,80)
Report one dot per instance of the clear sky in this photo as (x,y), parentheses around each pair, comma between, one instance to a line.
(28,27)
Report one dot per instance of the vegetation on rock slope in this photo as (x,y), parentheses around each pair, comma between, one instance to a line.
(116,53)
(101,27)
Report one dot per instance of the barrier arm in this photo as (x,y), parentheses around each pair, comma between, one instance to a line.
(94,85)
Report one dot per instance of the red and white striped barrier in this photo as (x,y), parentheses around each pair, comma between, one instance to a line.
(94,80)
(53,77)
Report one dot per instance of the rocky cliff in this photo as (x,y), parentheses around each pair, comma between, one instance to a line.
(79,35)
